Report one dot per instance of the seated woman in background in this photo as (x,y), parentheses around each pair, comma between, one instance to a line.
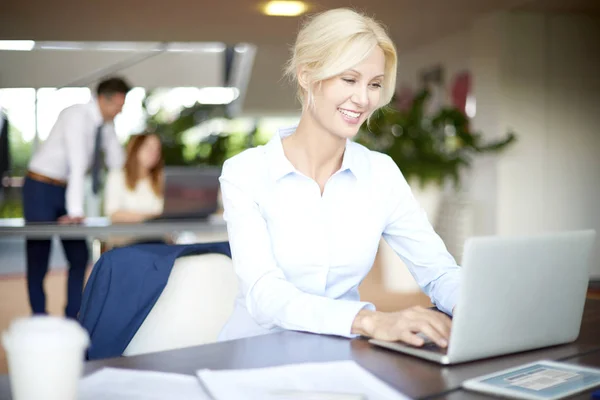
(305,213)
(135,193)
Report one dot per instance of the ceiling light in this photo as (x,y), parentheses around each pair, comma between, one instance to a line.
(285,8)
(18,45)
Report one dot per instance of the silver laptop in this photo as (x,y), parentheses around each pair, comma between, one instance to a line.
(517,294)
(190,193)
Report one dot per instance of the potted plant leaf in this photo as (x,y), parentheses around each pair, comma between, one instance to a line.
(432,151)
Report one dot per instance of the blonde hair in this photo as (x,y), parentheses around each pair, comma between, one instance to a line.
(334,41)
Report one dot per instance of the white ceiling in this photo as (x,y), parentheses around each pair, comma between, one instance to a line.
(146,64)
(411,23)
(57,68)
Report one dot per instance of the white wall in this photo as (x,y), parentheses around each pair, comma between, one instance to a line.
(452,52)
(521,174)
(574,123)
(486,47)
(538,75)
(551,95)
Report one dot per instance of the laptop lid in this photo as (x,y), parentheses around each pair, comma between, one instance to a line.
(521,293)
(517,293)
(191,191)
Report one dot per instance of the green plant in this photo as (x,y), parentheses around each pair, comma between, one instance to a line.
(11,208)
(20,152)
(171,131)
(212,150)
(218,147)
(427,149)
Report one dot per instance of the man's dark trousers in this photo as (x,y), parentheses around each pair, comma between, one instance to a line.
(45,202)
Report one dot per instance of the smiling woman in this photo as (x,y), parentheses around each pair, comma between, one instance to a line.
(305,212)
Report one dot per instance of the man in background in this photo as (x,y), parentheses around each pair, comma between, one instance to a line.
(54,186)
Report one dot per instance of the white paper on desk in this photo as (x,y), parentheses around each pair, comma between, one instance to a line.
(328,380)
(117,384)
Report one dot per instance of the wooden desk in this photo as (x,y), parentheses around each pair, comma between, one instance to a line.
(414,377)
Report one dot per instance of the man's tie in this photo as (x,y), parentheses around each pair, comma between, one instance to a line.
(97,161)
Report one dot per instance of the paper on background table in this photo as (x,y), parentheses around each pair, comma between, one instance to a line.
(121,384)
(298,381)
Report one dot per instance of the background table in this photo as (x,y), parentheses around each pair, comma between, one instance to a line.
(102,228)
(181,231)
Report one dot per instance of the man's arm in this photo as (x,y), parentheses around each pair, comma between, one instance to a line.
(77,159)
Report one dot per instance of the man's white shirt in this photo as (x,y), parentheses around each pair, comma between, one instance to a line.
(67,153)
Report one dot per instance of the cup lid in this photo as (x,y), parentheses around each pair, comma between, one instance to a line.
(48,331)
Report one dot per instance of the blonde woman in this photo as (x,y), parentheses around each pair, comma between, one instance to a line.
(135,193)
(306,211)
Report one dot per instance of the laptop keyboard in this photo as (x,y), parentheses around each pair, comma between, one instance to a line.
(431,346)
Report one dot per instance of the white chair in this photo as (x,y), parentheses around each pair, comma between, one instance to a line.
(195,304)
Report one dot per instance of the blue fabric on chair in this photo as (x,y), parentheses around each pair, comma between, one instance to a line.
(124,286)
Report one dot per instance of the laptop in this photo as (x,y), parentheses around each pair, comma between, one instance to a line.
(190,193)
(517,294)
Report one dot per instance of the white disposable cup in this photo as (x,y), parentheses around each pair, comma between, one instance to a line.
(45,357)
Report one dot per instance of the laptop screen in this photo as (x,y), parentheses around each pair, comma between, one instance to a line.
(190,190)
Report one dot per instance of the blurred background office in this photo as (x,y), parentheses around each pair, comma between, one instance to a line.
(495,121)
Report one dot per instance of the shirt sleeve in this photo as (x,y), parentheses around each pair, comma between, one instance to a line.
(113,192)
(75,142)
(271,300)
(113,151)
(412,237)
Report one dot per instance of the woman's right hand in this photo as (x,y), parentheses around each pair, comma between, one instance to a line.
(404,325)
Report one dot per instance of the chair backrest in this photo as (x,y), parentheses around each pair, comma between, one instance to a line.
(195,304)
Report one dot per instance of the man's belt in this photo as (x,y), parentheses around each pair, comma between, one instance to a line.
(45,179)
